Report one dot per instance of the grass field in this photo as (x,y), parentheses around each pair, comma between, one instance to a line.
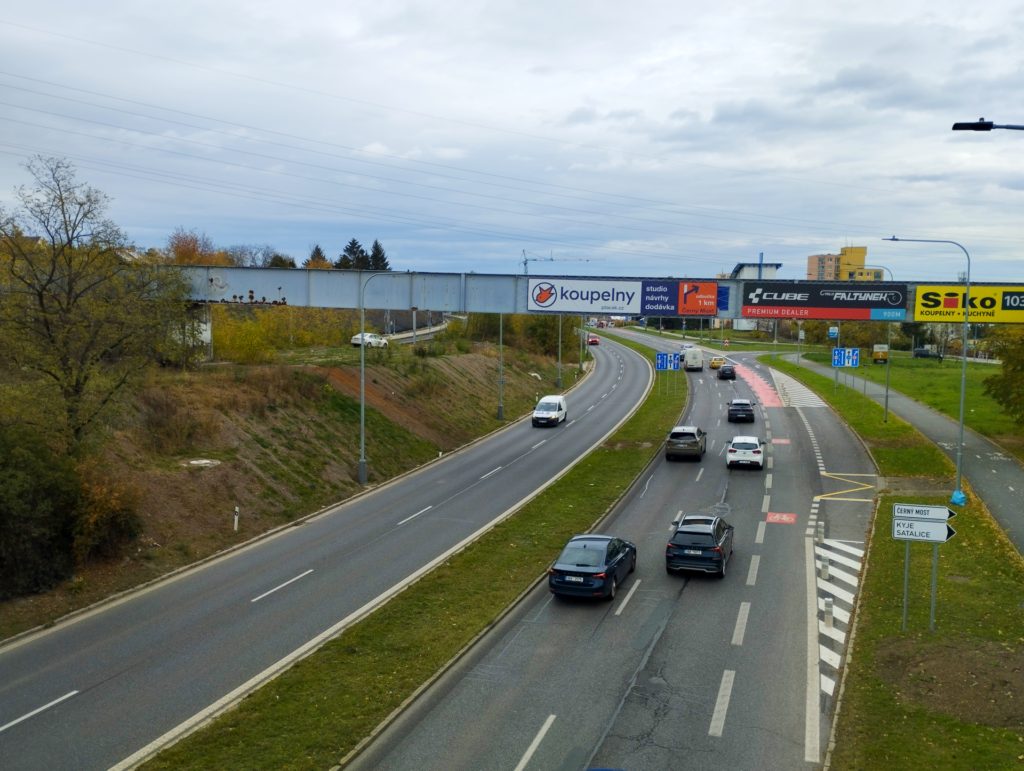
(313,714)
(938,386)
(738,340)
(950,699)
(898,448)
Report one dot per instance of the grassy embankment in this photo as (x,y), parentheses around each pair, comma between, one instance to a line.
(287,442)
(317,711)
(938,386)
(950,699)
(738,340)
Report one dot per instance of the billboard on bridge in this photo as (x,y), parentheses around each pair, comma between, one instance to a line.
(642,297)
(813,300)
(989,304)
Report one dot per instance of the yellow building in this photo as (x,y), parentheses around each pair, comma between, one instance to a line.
(848,265)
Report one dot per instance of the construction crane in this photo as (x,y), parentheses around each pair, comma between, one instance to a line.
(552,258)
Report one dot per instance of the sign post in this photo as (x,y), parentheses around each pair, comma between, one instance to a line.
(673,364)
(913,522)
(660,365)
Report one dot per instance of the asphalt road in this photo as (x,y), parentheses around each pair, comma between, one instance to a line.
(680,671)
(995,475)
(127,674)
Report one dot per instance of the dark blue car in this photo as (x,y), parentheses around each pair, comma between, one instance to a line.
(592,566)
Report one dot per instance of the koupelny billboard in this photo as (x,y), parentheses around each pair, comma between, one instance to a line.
(641,297)
(811,300)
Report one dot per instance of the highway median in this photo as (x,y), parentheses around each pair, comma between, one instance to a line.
(316,712)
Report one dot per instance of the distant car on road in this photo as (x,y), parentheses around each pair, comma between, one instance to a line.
(686,346)
(593,340)
(550,411)
(372,340)
(690,441)
(727,372)
(700,545)
(717,361)
(741,409)
(745,451)
(592,566)
(926,353)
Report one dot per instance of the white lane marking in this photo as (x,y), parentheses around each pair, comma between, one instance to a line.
(491,472)
(37,711)
(535,743)
(723,449)
(837,558)
(831,631)
(741,624)
(570,423)
(629,596)
(760,531)
(845,547)
(835,591)
(603,395)
(699,475)
(755,562)
(712,445)
(425,510)
(719,421)
(768,482)
(830,657)
(615,386)
(812,719)
(722,703)
(590,407)
(771,463)
(538,444)
(764,504)
(828,685)
(282,586)
(647,485)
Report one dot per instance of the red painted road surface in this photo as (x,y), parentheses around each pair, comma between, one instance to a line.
(764,392)
(785,519)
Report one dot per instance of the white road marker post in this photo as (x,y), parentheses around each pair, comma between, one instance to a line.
(824,568)
(821,533)
(236,519)
(828,612)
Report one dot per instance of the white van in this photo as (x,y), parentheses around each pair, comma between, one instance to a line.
(693,358)
(550,411)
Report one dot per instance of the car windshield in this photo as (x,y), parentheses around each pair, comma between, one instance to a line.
(693,539)
(590,557)
(683,435)
(744,446)
(548,407)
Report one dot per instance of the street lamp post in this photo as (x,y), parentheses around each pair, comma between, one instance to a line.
(888,353)
(982,125)
(959,498)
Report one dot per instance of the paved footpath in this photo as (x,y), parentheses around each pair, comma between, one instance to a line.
(995,475)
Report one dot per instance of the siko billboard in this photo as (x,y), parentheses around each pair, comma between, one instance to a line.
(992,304)
(812,300)
(636,298)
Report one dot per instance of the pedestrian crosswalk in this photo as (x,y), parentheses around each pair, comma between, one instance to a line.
(837,567)
(793,393)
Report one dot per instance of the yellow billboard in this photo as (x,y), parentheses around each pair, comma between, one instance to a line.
(989,304)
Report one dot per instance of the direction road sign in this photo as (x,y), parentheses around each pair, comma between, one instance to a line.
(906,529)
(833,331)
(846,357)
(917,511)
(673,361)
(661,361)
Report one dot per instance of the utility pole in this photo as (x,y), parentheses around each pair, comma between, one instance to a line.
(559,382)
(501,368)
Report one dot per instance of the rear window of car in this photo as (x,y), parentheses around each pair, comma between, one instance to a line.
(693,539)
(591,557)
(548,406)
(684,435)
(740,403)
(744,446)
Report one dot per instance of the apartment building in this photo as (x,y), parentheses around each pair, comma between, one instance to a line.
(848,265)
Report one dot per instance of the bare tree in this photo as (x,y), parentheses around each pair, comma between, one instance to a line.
(251,255)
(80,316)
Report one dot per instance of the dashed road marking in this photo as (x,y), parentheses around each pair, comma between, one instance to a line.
(741,624)
(721,704)
(755,562)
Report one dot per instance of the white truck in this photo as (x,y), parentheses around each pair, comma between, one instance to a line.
(693,358)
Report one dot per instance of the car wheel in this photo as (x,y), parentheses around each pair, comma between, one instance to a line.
(534,423)
(632,566)
(614,589)
(721,573)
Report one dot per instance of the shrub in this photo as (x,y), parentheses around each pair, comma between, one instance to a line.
(108,515)
(39,497)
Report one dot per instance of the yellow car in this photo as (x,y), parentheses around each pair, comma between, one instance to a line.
(717,361)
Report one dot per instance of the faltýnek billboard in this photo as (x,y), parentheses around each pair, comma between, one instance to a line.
(989,304)
(812,300)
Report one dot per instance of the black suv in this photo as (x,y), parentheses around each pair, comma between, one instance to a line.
(925,353)
(700,543)
(727,372)
(741,409)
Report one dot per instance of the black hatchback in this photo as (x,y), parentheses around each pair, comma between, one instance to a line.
(741,409)
(700,545)
(727,372)
(592,566)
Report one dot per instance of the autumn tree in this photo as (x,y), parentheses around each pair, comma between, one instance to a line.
(378,257)
(79,316)
(1006,387)
(317,260)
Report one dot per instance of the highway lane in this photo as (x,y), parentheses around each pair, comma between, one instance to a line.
(685,671)
(147,664)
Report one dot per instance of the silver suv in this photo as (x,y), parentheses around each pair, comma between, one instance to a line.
(688,441)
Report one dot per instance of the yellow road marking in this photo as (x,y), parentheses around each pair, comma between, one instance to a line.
(842,478)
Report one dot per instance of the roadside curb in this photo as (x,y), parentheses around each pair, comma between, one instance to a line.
(610,512)
(80,614)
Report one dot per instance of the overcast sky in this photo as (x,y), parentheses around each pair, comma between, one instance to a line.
(654,138)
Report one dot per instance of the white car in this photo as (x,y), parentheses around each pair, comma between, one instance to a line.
(550,411)
(745,451)
(372,340)
(686,346)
